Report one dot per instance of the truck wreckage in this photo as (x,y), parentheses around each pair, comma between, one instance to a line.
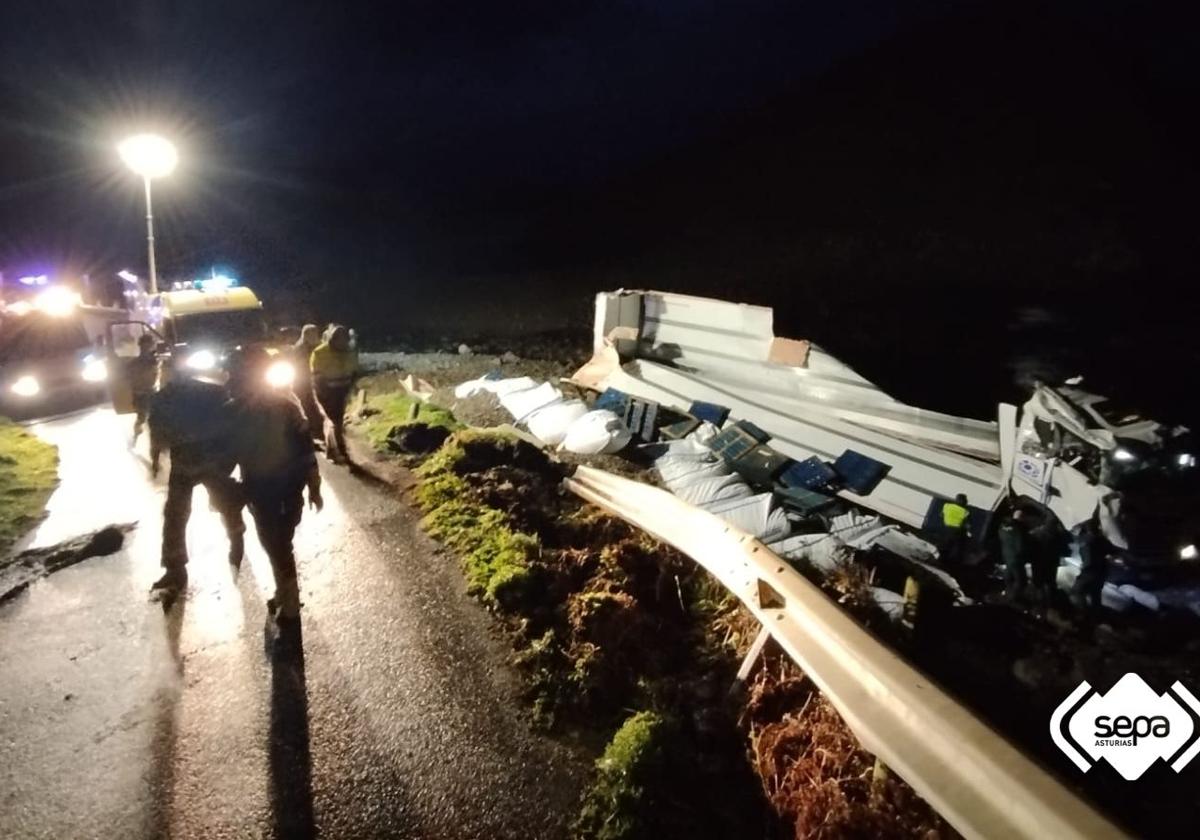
(780,438)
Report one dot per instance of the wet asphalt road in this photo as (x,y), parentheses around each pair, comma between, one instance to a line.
(399,719)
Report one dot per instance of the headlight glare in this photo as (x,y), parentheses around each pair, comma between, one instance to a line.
(280,374)
(26,386)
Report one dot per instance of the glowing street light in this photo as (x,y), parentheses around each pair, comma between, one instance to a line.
(150,156)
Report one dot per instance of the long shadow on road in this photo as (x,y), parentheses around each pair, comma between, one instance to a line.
(290,763)
(162,774)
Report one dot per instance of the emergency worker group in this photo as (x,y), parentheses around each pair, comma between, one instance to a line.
(1031,544)
(269,435)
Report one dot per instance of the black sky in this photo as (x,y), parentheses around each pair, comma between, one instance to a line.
(306,117)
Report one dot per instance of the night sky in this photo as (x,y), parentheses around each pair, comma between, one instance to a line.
(456,167)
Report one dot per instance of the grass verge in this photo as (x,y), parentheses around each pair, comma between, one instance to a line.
(496,558)
(28,474)
(387,413)
(616,805)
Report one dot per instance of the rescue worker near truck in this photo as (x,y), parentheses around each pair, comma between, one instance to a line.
(193,420)
(956,525)
(1094,551)
(302,385)
(334,365)
(275,454)
(1014,551)
(143,376)
(1048,543)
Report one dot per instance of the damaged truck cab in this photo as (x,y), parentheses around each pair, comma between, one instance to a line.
(1077,453)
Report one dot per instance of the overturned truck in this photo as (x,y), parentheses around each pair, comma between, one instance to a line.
(827,430)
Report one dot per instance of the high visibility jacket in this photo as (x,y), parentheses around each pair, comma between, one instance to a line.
(954,515)
(332,367)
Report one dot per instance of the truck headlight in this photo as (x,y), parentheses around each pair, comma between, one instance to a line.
(26,386)
(1123,455)
(280,374)
(202,360)
(94,370)
(1188,552)
(1185,460)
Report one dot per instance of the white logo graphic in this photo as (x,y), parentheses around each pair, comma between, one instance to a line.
(1131,726)
(1032,470)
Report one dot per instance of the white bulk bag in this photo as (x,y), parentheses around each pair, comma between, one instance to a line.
(499,387)
(599,431)
(550,424)
(521,404)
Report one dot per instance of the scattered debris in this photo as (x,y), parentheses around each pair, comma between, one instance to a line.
(18,571)
(465,350)
(595,596)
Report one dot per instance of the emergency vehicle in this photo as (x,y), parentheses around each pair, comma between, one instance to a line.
(195,326)
(48,360)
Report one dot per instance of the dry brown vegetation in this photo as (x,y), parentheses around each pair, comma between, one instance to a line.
(818,778)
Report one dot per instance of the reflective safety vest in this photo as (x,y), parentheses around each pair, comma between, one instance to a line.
(331,367)
(954,515)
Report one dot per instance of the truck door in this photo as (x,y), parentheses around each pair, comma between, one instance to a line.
(121,348)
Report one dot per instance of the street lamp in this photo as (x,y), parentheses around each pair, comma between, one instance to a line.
(150,156)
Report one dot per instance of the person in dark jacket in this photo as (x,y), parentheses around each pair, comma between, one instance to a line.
(1094,551)
(1014,551)
(275,453)
(1048,543)
(302,386)
(143,377)
(192,420)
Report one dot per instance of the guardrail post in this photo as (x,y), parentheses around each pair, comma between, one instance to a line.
(752,655)
(879,777)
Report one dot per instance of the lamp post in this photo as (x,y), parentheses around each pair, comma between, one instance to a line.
(150,156)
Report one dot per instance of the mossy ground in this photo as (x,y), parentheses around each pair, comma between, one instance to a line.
(28,474)
(385,413)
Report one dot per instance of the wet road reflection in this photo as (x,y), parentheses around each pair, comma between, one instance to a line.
(394,716)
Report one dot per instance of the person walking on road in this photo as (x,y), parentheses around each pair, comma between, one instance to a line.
(277,460)
(302,386)
(334,366)
(143,377)
(192,419)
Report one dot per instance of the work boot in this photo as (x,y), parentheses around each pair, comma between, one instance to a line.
(285,605)
(173,581)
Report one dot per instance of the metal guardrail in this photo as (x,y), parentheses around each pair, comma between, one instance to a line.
(972,776)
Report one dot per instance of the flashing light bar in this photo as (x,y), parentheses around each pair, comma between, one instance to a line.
(216,283)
